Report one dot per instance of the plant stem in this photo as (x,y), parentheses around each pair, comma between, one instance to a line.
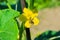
(23,4)
(9,6)
(28,34)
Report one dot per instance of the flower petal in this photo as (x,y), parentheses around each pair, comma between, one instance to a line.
(34,15)
(27,13)
(27,24)
(36,21)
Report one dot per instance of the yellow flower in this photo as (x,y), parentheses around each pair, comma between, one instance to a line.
(31,18)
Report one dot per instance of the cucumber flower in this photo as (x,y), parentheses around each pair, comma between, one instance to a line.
(31,18)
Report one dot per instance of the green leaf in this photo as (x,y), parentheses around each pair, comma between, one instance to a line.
(8,25)
(7,15)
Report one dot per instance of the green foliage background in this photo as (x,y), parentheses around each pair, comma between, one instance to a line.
(41,4)
(11,2)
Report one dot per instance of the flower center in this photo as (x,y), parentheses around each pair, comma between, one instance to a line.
(31,21)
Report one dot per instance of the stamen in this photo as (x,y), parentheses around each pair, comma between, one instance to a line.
(31,21)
